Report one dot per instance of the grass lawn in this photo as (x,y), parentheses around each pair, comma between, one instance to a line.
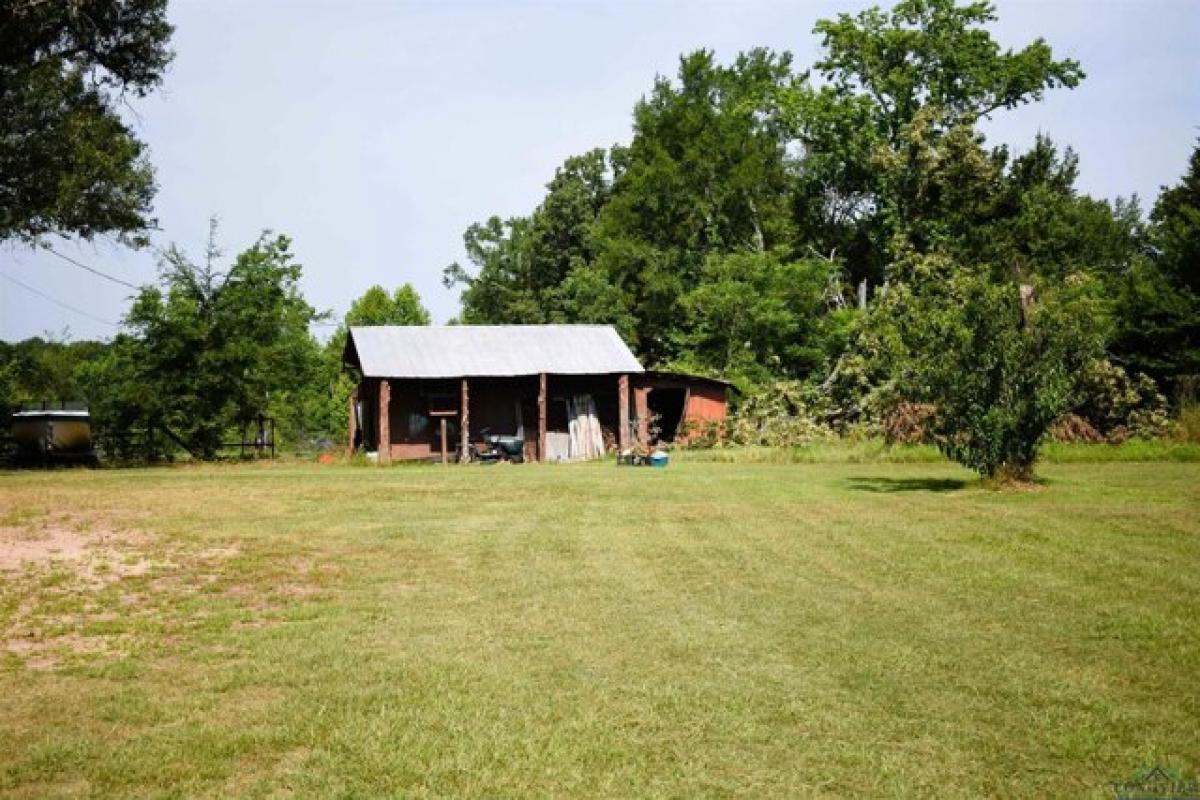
(760,629)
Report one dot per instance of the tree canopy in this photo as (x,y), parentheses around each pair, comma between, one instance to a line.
(838,242)
(376,307)
(758,216)
(69,163)
(750,203)
(206,351)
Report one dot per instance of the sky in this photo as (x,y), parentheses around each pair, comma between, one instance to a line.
(374,132)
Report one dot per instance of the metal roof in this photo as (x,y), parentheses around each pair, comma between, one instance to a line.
(454,351)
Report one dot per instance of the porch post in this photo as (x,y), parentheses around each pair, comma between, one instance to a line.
(641,408)
(622,413)
(385,431)
(541,416)
(465,426)
(353,421)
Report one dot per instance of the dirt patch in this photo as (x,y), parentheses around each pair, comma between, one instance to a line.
(92,545)
(218,553)
(48,653)
(18,548)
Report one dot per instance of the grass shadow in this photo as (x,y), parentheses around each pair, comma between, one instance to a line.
(882,484)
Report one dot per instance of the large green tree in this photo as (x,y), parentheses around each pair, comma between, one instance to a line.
(705,173)
(880,71)
(1159,300)
(997,360)
(69,163)
(542,268)
(374,307)
(933,52)
(622,238)
(206,351)
(44,368)
(756,316)
(377,307)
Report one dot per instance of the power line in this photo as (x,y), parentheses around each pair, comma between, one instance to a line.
(92,270)
(121,282)
(56,301)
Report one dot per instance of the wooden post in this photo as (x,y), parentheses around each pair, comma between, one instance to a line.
(541,416)
(465,419)
(353,422)
(445,460)
(385,431)
(641,409)
(622,413)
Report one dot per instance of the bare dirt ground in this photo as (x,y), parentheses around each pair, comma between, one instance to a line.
(91,546)
(79,552)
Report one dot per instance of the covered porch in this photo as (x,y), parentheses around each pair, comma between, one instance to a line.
(559,417)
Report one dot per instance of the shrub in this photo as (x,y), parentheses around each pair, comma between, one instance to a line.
(997,361)
(1120,406)
(703,434)
(782,414)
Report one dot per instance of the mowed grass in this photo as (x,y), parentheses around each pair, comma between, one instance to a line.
(708,630)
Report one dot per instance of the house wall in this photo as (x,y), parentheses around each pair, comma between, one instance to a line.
(707,402)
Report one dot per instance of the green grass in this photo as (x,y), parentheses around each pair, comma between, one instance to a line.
(719,630)
(875,451)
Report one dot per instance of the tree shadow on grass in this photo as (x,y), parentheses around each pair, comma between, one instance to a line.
(882,484)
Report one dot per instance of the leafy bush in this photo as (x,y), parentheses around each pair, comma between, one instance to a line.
(704,434)
(998,365)
(1120,406)
(783,414)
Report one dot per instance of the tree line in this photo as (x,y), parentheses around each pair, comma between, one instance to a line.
(843,235)
(838,240)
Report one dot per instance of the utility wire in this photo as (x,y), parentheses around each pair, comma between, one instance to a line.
(56,301)
(92,270)
(116,280)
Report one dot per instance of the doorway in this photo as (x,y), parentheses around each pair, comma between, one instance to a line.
(666,413)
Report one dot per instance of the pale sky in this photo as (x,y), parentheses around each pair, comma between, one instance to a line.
(374,133)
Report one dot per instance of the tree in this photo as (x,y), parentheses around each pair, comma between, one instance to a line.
(68,163)
(334,386)
(933,52)
(538,269)
(755,316)
(706,172)
(1176,219)
(881,71)
(998,361)
(205,352)
(1159,300)
(623,237)
(44,368)
(376,307)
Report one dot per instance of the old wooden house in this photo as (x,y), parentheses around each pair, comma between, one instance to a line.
(568,391)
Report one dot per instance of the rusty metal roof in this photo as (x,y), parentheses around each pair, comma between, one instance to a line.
(454,351)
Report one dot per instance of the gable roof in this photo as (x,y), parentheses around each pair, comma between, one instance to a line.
(464,351)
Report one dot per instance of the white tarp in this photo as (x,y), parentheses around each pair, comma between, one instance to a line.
(586,437)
